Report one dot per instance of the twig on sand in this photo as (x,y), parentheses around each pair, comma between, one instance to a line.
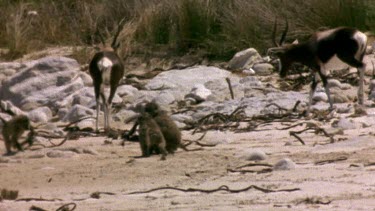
(65,207)
(260,171)
(221,188)
(38,199)
(322,162)
(314,128)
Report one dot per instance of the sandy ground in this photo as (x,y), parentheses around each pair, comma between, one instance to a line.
(345,184)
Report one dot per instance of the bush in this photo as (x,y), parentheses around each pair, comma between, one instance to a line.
(216,27)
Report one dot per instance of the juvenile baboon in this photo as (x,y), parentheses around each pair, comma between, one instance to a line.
(171,132)
(12,131)
(150,136)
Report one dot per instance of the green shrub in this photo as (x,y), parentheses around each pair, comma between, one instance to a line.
(218,28)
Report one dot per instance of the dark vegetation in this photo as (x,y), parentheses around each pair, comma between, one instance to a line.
(216,28)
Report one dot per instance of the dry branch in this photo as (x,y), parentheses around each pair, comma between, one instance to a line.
(230,88)
(96,195)
(38,199)
(221,188)
(313,127)
(65,207)
(322,162)
(261,171)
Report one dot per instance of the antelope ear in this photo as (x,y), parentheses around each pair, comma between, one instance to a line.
(295,42)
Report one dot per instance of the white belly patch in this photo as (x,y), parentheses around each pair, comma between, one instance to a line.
(105,66)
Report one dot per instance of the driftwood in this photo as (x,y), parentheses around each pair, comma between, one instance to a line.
(311,127)
(314,200)
(230,88)
(239,169)
(65,207)
(323,162)
(221,188)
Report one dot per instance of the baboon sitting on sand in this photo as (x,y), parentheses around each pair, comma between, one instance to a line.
(168,127)
(150,136)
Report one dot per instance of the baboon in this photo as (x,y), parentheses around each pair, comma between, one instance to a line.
(12,131)
(150,136)
(171,132)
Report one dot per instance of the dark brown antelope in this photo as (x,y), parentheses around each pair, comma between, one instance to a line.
(343,44)
(106,69)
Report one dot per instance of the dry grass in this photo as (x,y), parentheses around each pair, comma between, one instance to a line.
(216,27)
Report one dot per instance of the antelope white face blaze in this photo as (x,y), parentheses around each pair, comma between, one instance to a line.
(105,66)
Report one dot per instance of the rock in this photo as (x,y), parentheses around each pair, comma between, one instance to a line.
(2,78)
(199,92)
(248,71)
(68,100)
(60,154)
(44,81)
(124,116)
(87,124)
(190,101)
(4,160)
(243,59)
(42,115)
(180,125)
(37,156)
(369,60)
(8,106)
(82,100)
(250,81)
(216,138)
(90,151)
(180,82)
(372,90)
(344,110)
(86,78)
(52,129)
(220,89)
(320,97)
(360,110)
(284,164)
(263,69)
(369,49)
(339,98)
(372,85)
(164,98)
(288,143)
(126,90)
(335,131)
(9,72)
(62,112)
(182,118)
(334,83)
(128,93)
(255,155)
(76,113)
(10,68)
(345,86)
(344,124)
(39,139)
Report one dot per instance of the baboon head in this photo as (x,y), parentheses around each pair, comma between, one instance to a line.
(152,109)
